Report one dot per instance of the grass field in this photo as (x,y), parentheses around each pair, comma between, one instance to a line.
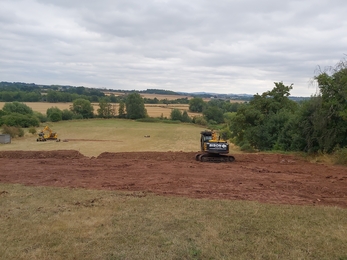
(58,223)
(92,137)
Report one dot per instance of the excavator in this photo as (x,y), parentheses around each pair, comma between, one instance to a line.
(213,148)
(47,134)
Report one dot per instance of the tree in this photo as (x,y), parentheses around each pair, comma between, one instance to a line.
(121,110)
(135,106)
(176,114)
(185,117)
(83,108)
(67,114)
(196,105)
(53,96)
(105,109)
(323,119)
(214,113)
(261,122)
(17,107)
(17,119)
(54,114)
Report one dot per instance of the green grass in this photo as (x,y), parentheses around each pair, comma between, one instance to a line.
(114,135)
(56,223)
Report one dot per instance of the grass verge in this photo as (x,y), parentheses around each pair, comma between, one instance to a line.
(58,223)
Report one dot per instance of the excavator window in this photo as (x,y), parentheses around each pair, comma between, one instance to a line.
(207,138)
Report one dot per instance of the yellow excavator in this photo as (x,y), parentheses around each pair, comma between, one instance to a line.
(213,148)
(47,134)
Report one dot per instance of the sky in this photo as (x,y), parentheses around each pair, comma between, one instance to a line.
(220,46)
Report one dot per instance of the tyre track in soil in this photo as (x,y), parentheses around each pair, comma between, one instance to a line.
(270,178)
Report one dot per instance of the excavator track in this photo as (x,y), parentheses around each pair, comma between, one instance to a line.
(216,158)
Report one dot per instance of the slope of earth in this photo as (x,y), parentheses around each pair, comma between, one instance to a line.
(270,178)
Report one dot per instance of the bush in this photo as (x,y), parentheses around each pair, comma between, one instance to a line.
(32,130)
(199,120)
(13,131)
(176,114)
(67,114)
(225,134)
(41,117)
(185,117)
(341,156)
(246,147)
(16,119)
(56,116)
(77,116)
(17,107)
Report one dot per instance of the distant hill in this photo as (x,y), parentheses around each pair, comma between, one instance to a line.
(20,86)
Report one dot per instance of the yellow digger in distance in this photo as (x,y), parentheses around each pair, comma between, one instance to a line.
(47,134)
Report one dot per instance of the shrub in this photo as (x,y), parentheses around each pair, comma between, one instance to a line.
(16,119)
(32,130)
(341,156)
(13,131)
(41,117)
(246,147)
(56,116)
(77,116)
(67,114)
(17,107)
(199,120)
(225,134)
(176,114)
(185,117)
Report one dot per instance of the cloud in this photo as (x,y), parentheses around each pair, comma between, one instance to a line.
(220,46)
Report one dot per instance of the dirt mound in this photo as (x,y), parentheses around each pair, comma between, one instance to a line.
(157,156)
(269,178)
(58,154)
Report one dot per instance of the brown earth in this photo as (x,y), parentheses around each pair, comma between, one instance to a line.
(278,179)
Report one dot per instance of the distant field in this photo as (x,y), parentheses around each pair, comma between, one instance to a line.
(152,96)
(94,136)
(42,106)
(153,110)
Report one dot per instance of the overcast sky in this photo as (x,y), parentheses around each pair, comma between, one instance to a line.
(223,46)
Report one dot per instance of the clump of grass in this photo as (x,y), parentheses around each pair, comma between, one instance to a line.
(341,156)
(59,223)
(32,130)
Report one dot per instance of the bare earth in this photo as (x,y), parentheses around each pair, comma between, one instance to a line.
(269,178)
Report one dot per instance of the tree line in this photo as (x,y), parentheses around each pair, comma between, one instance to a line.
(271,121)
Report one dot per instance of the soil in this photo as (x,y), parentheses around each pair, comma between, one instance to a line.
(270,178)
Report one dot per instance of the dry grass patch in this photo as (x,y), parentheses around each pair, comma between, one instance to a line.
(58,223)
(94,136)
